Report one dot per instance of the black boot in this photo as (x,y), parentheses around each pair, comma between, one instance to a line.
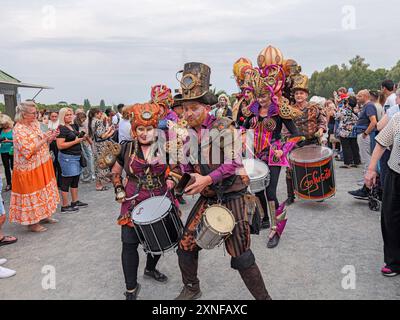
(290,191)
(265,224)
(273,242)
(254,281)
(188,264)
(133,295)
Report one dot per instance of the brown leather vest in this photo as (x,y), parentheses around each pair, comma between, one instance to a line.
(232,184)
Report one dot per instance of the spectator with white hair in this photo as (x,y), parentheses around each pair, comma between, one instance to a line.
(34,195)
(222,108)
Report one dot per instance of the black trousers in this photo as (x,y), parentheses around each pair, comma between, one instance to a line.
(384,166)
(271,190)
(390,220)
(130,257)
(69,182)
(8,163)
(56,164)
(351,151)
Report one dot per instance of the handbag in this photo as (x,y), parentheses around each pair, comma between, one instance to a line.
(83,161)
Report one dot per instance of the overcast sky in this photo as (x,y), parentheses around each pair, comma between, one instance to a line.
(115,50)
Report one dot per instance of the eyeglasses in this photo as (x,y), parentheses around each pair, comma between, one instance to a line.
(35,112)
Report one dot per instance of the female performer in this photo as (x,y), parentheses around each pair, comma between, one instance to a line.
(269,113)
(146,177)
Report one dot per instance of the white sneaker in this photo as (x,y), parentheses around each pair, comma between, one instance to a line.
(6,273)
(3,261)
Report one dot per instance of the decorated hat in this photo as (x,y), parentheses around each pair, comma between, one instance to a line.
(144,114)
(269,56)
(240,67)
(177,100)
(300,83)
(161,94)
(195,83)
(291,67)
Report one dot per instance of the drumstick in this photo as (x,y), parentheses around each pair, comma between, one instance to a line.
(162,200)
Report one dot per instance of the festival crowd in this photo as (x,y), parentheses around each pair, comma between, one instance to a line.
(46,155)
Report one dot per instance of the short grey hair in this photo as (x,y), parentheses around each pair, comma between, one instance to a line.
(22,108)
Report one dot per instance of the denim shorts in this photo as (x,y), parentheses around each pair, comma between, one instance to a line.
(70,165)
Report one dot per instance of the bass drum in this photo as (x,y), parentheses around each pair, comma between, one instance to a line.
(313,172)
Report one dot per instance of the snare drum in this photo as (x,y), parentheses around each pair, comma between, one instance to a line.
(313,172)
(216,226)
(157,224)
(258,173)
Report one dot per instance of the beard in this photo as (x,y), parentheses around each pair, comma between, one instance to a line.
(195,122)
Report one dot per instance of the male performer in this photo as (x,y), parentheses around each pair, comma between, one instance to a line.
(311,124)
(217,183)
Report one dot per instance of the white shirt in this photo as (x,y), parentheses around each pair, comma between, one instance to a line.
(117,118)
(390,102)
(379,111)
(390,136)
(124,130)
(392,111)
(53,125)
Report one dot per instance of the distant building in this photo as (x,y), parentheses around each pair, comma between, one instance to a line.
(9,88)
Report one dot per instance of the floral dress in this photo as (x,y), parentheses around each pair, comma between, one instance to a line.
(34,195)
(347,120)
(99,144)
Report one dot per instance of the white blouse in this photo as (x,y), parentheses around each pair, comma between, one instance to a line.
(390,136)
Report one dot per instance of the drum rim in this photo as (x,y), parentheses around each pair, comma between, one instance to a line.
(155,220)
(159,253)
(257,161)
(208,225)
(311,161)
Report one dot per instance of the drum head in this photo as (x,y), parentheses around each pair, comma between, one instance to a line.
(255,168)
(151,209)
(310,154)
(220,219)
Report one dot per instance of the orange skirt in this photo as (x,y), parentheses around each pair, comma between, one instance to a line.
(34,195)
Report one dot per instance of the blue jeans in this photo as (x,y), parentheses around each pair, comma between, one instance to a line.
(88,172)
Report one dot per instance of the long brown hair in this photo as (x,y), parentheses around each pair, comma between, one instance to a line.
(92,114)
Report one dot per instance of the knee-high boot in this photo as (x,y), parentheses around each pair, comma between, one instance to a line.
(188,264)
(254,281)
(290,189)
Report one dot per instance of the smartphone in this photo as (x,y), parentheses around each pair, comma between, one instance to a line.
(81,134)
(186,180)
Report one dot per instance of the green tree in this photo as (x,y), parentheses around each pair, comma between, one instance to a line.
(394,73)
(357,75)
(86,104)
(102,105)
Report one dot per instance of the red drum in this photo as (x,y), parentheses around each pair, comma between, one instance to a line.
(313,172)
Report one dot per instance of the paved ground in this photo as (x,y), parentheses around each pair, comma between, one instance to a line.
(319,241)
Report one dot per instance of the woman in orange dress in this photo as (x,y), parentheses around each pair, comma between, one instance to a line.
(34,195)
